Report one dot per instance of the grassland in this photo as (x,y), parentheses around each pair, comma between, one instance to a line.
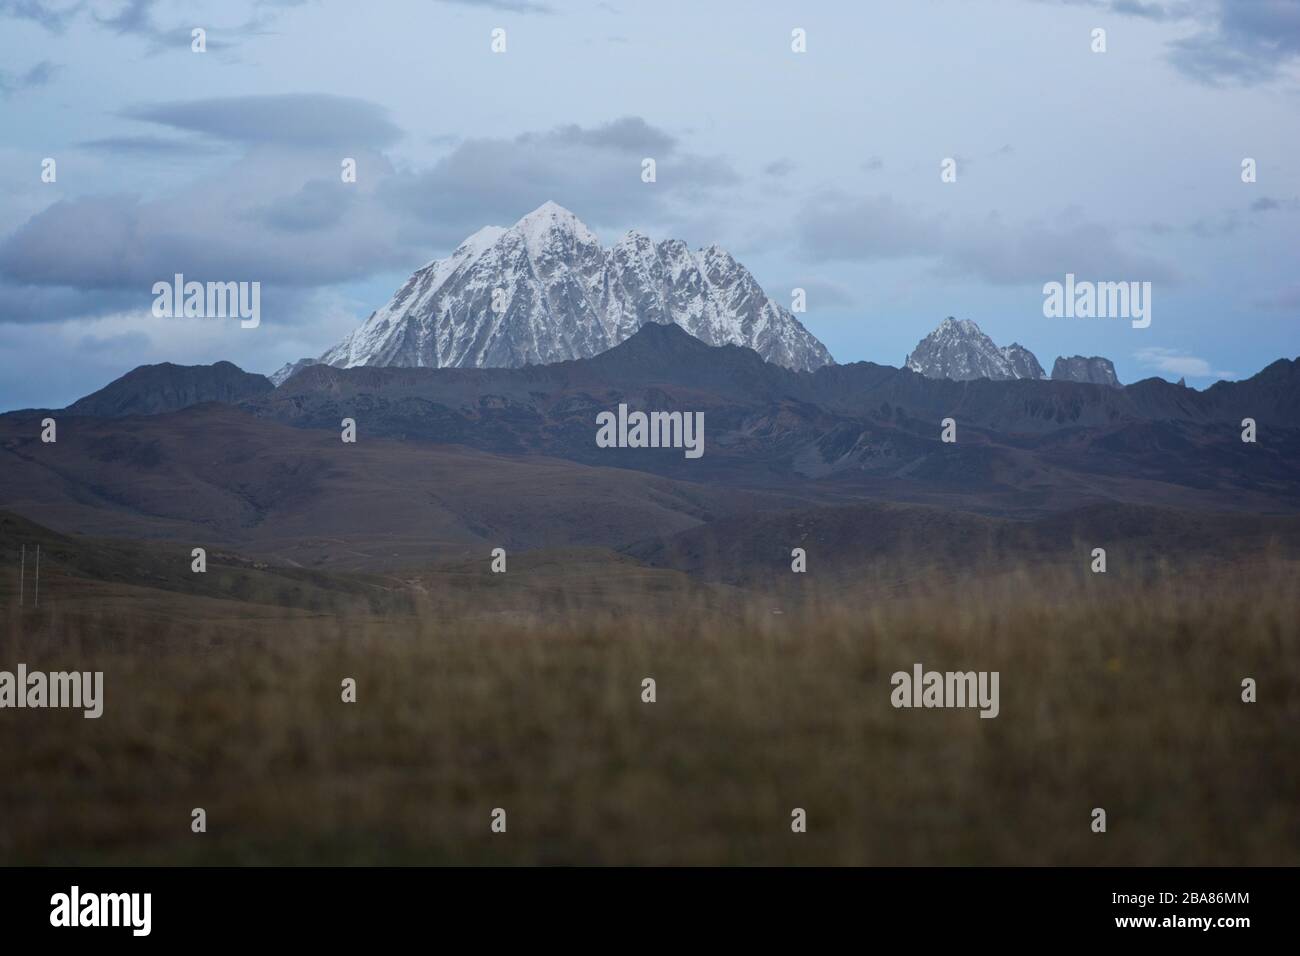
(523,692)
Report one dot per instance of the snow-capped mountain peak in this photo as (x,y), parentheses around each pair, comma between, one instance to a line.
(552,229)
(545,290)
(959,349)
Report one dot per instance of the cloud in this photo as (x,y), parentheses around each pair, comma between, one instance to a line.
(26,303)
(1243,42)
(840,227)
(505,6)
(1215,227)
(1010,253)
(1248,42)
(214,229)
(824,294)
(292,119)
(629,134)
(837,226)
(317,205)
(141,145)
(595,171)
(54,18)
(1269,204)
(39,75)
(1174,362)
(280,213)
(779,168)
(1150,9)
(1222,224)
(136,18)
(1158,10)
(1286,300)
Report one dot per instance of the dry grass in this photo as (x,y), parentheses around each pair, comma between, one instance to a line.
(1119,695)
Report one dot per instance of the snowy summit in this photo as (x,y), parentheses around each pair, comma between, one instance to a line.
(545,290)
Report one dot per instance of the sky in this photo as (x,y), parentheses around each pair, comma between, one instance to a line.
(819,170)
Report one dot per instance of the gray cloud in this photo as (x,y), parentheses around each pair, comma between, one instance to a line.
(301,120)
(280,213)
(1222,224)
(125,244)
(317,205)
(39,75)
(1237,41)
(1215,227)
(629,134)
(843,227)
(136,18)
(1250,42)
(143,145)
(1158,10)
(22,303)
(779,168)
(1151,10)
(505,6)
(52,17)
(594,171)
(1008,254)
(879,228)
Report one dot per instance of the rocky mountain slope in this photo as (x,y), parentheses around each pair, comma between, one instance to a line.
(151,389)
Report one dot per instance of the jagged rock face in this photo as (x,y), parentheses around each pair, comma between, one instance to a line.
(1023,362)
(546,291)
(1095,370)
(958,350)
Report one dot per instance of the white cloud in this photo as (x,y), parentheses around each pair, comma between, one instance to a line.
(1175,362)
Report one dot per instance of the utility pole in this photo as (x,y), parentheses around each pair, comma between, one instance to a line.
(22,576)
(37,602)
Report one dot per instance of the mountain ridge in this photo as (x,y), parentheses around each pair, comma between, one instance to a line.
(959,350)
(840,433)
(668,354)
(164,387)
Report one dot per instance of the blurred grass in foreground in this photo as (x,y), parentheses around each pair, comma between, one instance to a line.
(1119,695)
